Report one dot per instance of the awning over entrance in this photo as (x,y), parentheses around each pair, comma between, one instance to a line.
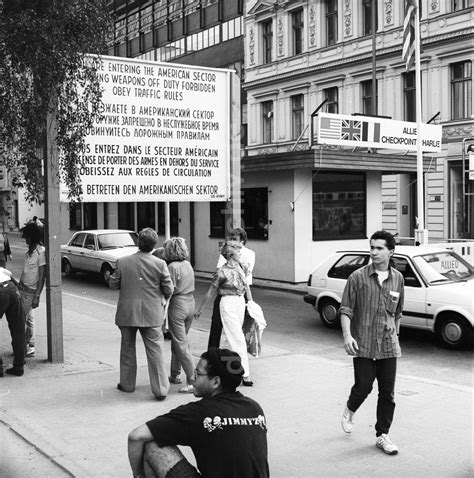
(329,158)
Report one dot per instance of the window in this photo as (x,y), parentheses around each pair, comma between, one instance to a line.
(297,27)
(174,218)
(347,264)
(75,216)
(331,94)
(232,29)
(461,4)
(367,16)
(267,121)
(339,206)
(297,115)
(145,215)
(217,212)
(255,212)
(461,90)
(409,96)
(90,242)
(366,88)
(90,215)
(254,215)
(331,22)
(409,276)
(106,215)
(83,216)
(78,240)
(267,41)
(126,215)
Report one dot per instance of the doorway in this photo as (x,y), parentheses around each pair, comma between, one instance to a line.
(461,206)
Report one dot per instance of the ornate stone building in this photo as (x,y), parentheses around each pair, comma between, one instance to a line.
(300,54)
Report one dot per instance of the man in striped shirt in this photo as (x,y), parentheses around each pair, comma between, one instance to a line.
(371,310)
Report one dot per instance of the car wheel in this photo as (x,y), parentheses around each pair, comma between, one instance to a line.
(106,272)
(453,332)
(67,268)
(328,313)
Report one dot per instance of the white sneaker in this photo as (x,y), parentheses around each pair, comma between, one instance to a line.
(186,389)
(30,351)
(176,379)
(347,420)
(383,442)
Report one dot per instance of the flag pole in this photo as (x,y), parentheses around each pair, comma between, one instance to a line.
(421,234)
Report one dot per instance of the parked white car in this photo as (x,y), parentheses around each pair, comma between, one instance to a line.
(439,290)
(97,251)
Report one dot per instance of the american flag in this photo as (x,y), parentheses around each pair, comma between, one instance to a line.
(330,128)
(351,130)
(408,51)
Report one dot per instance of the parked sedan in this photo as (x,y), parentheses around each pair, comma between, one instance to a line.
(439,290)
(97,251)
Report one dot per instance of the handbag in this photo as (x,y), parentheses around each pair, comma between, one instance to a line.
(254,323)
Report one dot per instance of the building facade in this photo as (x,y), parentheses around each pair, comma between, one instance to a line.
(300,199)
(301,54)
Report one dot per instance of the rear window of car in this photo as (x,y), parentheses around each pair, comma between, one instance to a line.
(121,239)
(347,264)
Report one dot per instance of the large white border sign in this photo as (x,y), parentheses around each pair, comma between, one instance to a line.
(164,134)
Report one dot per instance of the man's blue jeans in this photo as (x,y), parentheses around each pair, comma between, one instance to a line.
(365,372)
(11,306)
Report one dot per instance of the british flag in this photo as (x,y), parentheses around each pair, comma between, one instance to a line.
(351,130)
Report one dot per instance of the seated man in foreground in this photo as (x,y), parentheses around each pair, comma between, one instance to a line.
(226,431)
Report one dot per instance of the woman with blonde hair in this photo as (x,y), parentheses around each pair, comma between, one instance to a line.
(230,283)
(180,310)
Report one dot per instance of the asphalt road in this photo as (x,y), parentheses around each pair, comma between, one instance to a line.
(293,325)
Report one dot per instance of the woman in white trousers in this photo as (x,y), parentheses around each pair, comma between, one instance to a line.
(230,283)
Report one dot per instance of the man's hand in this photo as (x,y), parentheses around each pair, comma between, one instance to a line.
(197,314)
(35,302)
(350,345)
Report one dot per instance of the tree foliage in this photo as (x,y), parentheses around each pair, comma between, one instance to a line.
(44,69)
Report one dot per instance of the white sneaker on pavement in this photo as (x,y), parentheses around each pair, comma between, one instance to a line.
(30,351)
(384,443)
(347,420)
(186,389)
(176,379)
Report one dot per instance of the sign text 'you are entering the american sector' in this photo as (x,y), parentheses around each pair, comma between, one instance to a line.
(163,134)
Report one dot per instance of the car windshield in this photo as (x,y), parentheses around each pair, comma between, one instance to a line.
(118,239)
(442,267)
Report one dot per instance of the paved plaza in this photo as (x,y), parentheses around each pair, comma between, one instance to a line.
(74,422)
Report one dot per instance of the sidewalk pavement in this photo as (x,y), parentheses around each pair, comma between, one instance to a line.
(75,422)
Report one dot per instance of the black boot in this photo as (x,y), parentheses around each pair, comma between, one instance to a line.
(18,372)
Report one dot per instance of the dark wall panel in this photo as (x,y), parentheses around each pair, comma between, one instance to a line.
(216,56)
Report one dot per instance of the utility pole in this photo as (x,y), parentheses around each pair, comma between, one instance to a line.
(54,314)
(421,234)
(373,14)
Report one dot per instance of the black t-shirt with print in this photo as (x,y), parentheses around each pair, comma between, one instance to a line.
(227,433)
